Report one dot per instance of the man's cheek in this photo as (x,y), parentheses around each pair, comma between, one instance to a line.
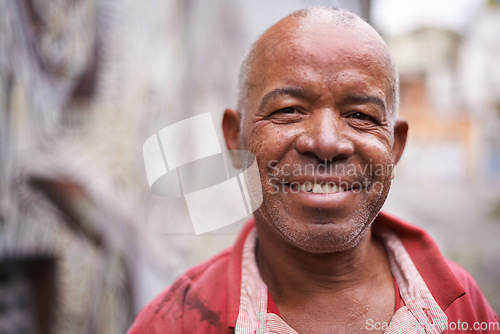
(258,130)
(273,188)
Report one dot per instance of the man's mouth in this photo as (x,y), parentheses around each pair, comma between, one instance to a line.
(317,188)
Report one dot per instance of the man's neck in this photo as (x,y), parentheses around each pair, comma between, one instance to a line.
(290,271)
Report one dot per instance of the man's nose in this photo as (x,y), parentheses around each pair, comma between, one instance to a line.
(323,136)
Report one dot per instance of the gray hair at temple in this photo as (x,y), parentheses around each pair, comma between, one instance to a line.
(340,17)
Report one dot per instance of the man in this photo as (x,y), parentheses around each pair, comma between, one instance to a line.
(318,109)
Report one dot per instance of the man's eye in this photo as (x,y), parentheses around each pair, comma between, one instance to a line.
(361,116)
(288,110)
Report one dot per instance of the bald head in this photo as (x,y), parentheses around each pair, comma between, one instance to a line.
(308,27)
(318,89)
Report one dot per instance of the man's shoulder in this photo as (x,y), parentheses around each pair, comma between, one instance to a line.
(198,296)
(454,289)
(462,275)
(473,303)
(204,298)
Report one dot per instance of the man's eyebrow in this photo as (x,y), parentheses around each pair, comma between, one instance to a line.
(365,99)
(282,91)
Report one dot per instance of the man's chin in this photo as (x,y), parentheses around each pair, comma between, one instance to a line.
(323,240)
(319,236)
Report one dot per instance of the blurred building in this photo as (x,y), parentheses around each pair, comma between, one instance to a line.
(70,172)
(449,94)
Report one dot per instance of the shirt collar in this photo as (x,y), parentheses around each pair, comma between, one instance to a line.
(428,259)
(423,251)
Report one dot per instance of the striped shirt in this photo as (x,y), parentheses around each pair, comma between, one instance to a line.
(420,314)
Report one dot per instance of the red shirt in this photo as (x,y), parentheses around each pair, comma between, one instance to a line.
(206,298)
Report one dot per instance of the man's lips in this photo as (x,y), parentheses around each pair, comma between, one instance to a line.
(322,185)
(317,188)
(326,192)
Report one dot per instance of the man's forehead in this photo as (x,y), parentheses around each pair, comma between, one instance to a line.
(309,40)
(315,36)
(326,45)
(313,26)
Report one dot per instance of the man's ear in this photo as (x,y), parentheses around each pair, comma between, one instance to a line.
(400,135)
(231,128)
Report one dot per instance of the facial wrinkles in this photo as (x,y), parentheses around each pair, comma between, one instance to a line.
(260,124)
(292,28)
(371,53)
(268,141)
(360,219)
(346,238)
(351,75)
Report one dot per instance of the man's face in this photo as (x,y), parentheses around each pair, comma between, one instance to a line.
(318,121)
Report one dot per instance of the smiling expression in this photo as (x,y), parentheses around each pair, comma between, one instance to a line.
(318,117)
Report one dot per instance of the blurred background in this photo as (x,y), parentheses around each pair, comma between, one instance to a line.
(84,244)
